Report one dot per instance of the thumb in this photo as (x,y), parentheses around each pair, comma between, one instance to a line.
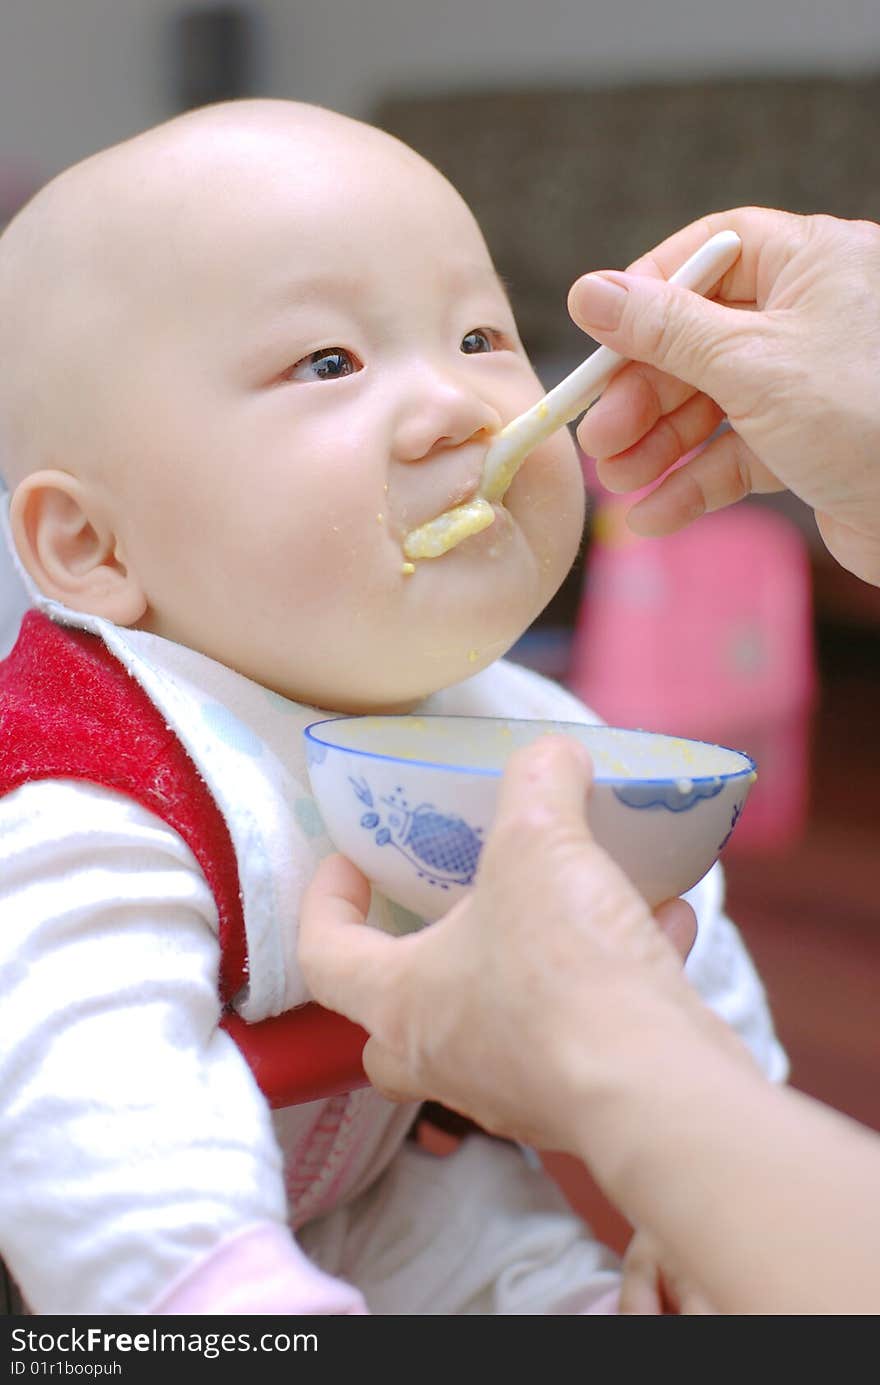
(345,964)
(678,921)
(391,1076)
(857,550)
(678,331)
(550,778)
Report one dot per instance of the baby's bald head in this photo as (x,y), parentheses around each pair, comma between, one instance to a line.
(102,259)
(242,355)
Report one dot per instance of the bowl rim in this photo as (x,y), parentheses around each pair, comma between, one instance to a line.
(749,769)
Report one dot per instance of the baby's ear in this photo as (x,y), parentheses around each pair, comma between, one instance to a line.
(70,550)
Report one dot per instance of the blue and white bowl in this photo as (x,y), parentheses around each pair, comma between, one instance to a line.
(410,799)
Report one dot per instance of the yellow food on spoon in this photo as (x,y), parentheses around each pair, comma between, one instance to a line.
(509,448)
(449,529)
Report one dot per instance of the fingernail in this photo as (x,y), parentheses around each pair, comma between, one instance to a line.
(599,301)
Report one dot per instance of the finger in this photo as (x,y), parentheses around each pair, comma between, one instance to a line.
(692,1302)
(391,1077)
(629,408)
(345,964)
(640,1290)
(683,1296)
(670,439)
(664,259)
(724,472)
(637,391)
(854,549)
(678,921)
(550,779)
(767,237)
(679,332)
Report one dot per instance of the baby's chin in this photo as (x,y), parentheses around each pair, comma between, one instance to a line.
(452,660)
(478,611)
(405,682)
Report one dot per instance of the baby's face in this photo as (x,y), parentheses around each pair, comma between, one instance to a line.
(318,368)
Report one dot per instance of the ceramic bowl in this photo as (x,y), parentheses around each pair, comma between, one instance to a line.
(410,799)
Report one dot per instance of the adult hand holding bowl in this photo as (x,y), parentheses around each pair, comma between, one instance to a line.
(410,799)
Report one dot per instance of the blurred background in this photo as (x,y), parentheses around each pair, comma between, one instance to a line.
(581,132)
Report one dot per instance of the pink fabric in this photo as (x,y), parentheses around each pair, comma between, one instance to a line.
(707,632)
(705,627)
(260,1270)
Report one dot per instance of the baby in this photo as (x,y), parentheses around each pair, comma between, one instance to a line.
(12,598)
(244,354)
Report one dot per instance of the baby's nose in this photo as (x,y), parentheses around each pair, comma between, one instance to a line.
(441,412)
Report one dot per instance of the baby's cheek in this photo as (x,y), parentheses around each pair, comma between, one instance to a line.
(547,500)
(356,565)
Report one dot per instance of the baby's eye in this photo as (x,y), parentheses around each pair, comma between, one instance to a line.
(477,341)
(330,363)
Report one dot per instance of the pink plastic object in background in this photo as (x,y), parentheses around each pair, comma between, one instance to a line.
(707,633)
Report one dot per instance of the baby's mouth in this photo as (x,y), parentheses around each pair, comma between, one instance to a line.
(449,529)
(444,515)
(417,516)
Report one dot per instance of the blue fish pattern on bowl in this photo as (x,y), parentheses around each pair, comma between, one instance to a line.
(444,849)
(669,796)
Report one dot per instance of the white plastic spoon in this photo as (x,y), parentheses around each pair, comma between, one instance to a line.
(559,406)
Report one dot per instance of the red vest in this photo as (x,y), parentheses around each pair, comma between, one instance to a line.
(70,710)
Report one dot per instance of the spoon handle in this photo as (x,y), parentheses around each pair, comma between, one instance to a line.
(583,386)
